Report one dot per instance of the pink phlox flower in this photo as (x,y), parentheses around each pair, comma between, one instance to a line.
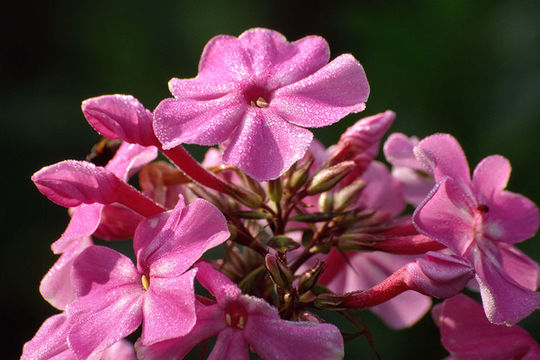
(468,335)
(258,92)
(50,343)
(415,178)
(114,296)
(242,321)
(478,220)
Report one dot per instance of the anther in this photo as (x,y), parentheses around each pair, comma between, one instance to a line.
(145,282)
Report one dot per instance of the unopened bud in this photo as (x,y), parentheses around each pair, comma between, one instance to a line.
(282,243)
(310,278)
(329,177)
(329,302)
(244,196)
(254,185)
(280,273)
(275,190)
(311,317)
(349,195)
(299,177)
(326,202)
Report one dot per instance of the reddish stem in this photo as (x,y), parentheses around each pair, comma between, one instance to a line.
(408,245)
(384,291)
(135,200)
(193,169)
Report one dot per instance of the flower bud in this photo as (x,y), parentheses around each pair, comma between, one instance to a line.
(326,202)
(327,178)
(244,196)
(348,196)
(275,190)
(280,273)
(282,243)
(310,278)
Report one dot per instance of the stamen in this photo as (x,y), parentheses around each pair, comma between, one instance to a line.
(145,282)
(261,102)
(228,319)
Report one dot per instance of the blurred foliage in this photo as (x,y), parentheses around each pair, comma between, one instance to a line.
(470,68)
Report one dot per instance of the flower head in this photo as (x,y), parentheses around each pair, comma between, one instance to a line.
(257,92)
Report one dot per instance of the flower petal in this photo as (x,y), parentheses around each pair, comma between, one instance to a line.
(215,282)
(120,350)
(442,154)
(230,344)
(398,151)
(504,299)
(467,334)
(210,321)
(225,58)
(109,306)
(84,222)
(56,286)
(120,117)
(325,97)
(169,308)
(264,146)
(274,338)
(50,341)
(203,122)
(171,242)
(519,266)
(490,177)
(280,62)
(129,159)
(446,216)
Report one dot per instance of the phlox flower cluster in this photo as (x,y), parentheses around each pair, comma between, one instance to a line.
(249,249)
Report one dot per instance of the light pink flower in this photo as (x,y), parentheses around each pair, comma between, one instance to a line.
(114,296)
(257,92)
(478,220)
(242,321)
(468,335)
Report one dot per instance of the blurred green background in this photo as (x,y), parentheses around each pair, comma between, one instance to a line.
(470,68)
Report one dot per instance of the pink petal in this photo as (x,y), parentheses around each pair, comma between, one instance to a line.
(511,218)
(84,222)
(215,282)
(71,183)
(169,308)
(467,334)
(120,117)
(50,341)
(382,192)
(280,62)
(117,222)
(446,216)
(56,286)
(398,151)
(203,122)
(505,300)
(274,338)
(120,350)
(490,177)
(325,97)
(210,321)
(415,186)
(230,344)
(439,274)
(170,243)
(519,266)
(441,154)
(109,306)
(264,146)
(224,58)
(129,159)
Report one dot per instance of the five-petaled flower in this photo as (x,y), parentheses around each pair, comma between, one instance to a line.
(256,93)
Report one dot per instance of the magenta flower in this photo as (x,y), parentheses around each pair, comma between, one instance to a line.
(242,321)
(468,335)
(115,296)
(478,220)
(256,93)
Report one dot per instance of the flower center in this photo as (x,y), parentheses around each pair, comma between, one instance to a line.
(145,282)
(236,315)
(482,208)
(257,96)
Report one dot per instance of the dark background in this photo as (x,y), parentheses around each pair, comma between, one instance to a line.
(470,68)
